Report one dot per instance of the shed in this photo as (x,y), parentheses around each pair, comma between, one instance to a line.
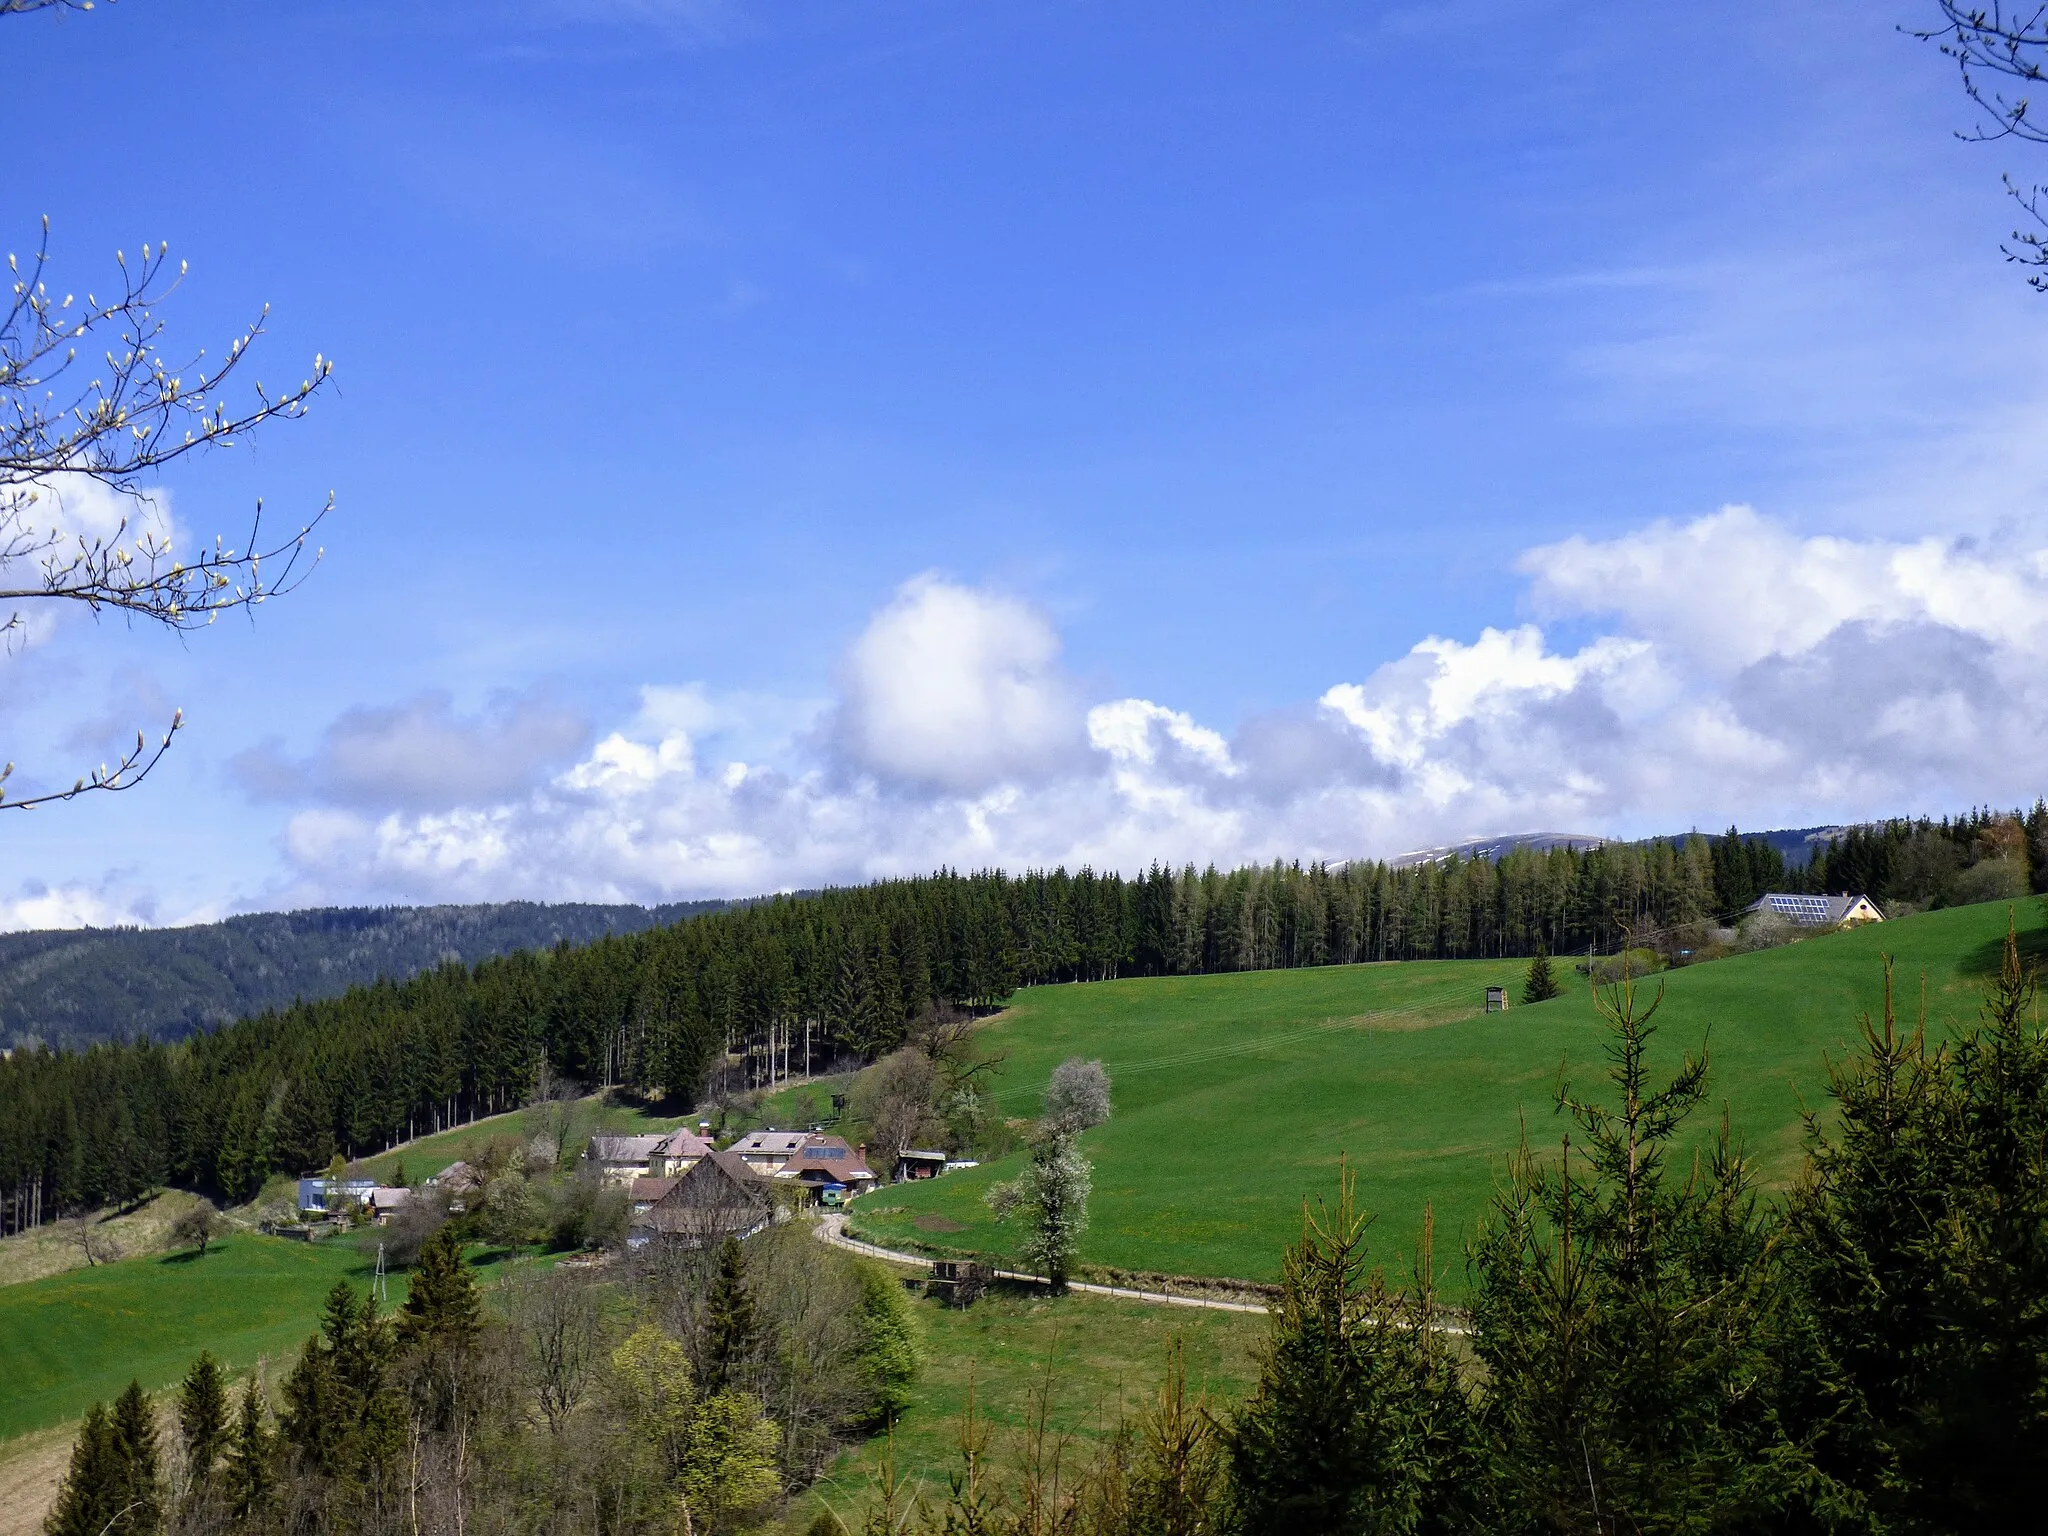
(1496,999)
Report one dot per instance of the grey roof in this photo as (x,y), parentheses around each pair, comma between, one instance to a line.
(625,1149)
(770,1143)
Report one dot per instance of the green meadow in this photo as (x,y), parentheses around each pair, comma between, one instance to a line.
(1094,1357)
(70,1339)
(1237,1097)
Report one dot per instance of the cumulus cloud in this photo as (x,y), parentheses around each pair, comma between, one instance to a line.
(37,905)
(957,689)
(421,755)
(1730,669)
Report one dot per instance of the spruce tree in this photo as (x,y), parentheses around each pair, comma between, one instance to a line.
(84,1504)
(139,1492)
(1922,1256)
(251,1455)
(732,1334)
(1541,985)
(438,1328)
(441,1305)
(1632,1326)
(342,1414)
(1359,1422)
(203,1419)
(888,1360)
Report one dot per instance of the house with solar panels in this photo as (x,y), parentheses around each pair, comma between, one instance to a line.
(1842,911)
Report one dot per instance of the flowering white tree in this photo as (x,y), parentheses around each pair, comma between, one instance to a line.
(92,410)
(1052,1191)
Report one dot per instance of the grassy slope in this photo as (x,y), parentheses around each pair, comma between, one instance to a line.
(1237,1095)
(1105,1356)
(428,1155)
(73,1338)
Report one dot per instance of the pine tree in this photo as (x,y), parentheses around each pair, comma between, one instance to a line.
(85,1504)
(251,1455)
(732,1334)
(139,1487)
(1633,1327)
(441,1305)
(888,1360)
(1541,985)
(1359,1422)
(203,1419)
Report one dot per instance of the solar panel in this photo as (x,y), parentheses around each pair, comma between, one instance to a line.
(1802,909)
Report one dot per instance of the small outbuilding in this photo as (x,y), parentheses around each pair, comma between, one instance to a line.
(1496,999)
(912,1163)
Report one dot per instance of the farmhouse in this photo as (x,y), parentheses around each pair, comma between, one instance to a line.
(827,1169)
(719,1197)
(331,1197)
(1843,911)
(766,1151)
(622,1159)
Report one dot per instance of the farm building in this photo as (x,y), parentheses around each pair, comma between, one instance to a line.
(719,1197)
(622,1159)
(766,1151)
(827,1163)
(912,1163)
(331,1197)
(1844,911)
(647,1191)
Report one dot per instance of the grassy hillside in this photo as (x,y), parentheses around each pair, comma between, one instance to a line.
(1236,1096)
(1100,1357)
(72,1338)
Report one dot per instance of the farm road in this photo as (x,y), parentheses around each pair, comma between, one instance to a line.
(832,1229)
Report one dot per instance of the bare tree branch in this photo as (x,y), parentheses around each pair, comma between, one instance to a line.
(113,423)
(131,770)
(1993,44)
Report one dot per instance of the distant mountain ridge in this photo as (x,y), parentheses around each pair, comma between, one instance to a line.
(73,987)
(1499,847)
(1797,844)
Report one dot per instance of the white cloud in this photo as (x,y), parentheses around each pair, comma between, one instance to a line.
(83,906)
(1726,591)
(1748,674)
(422,755)
(958,689)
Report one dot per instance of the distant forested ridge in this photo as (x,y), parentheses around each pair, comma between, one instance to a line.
(750,993)
(74,987)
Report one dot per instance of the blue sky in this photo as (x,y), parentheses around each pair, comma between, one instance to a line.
(799,442)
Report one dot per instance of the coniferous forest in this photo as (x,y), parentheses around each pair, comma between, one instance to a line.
(769,988)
